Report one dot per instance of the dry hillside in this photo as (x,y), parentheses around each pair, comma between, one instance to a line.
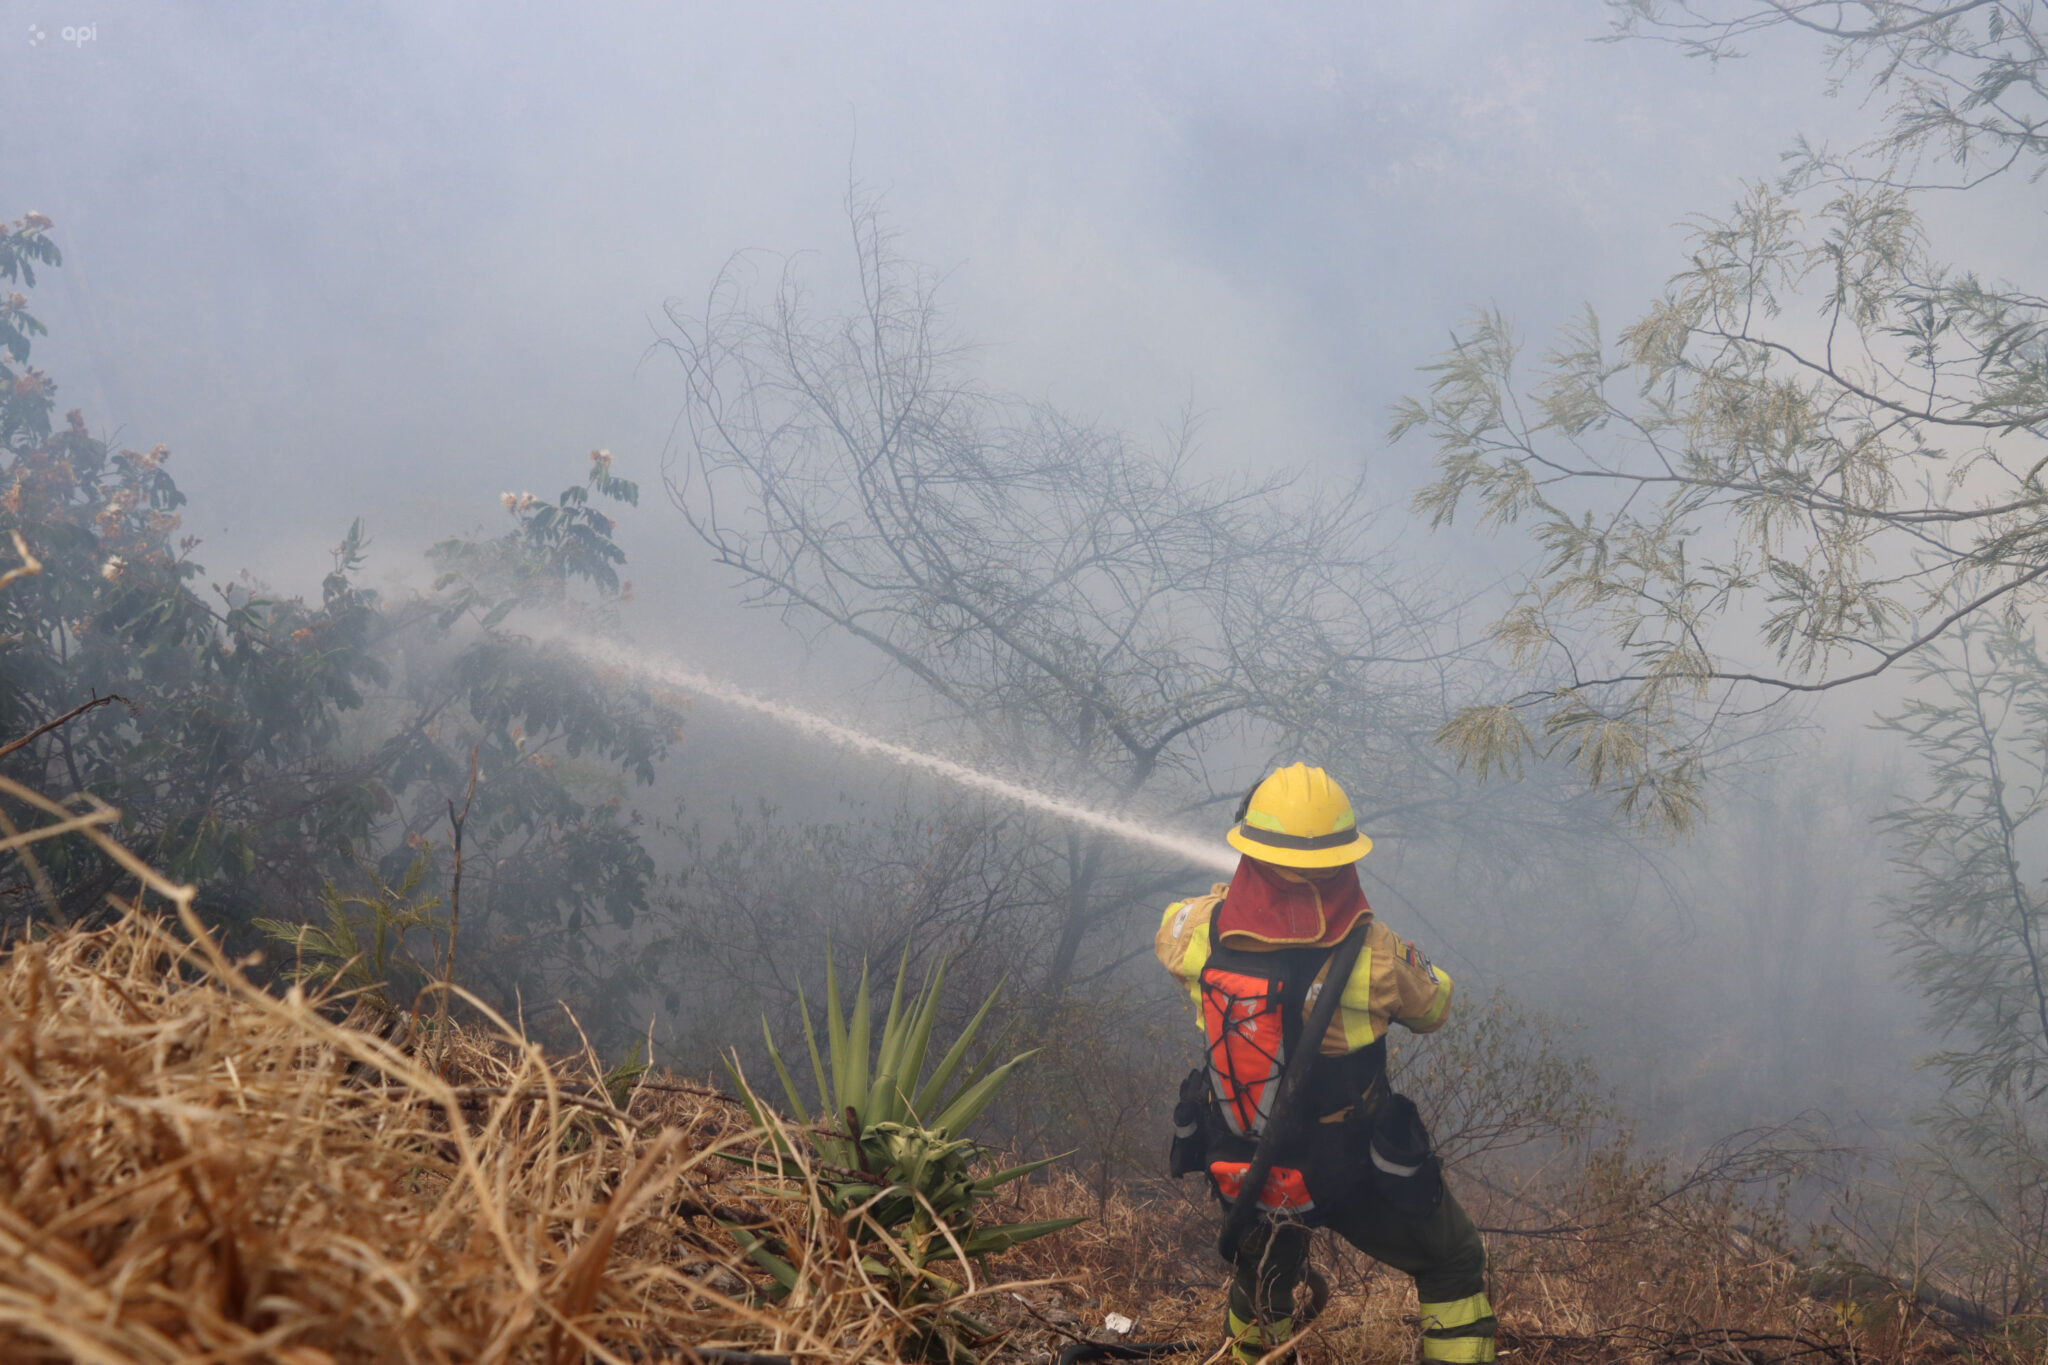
(196,1167)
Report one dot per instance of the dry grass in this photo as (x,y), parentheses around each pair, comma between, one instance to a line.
(196,1169)
(1640,1266)
(193,1168)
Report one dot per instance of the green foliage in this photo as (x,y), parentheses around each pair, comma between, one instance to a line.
(1817,457)
(1735,506)
(361,950)
(24,244)
(618,1082)
(1969,930)
(554,545)
(1962,82)
(892,1087)
(274,749)
(1746,518)
(894,1166)
(1971,922)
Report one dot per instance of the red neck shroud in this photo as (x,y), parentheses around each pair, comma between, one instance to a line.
(1275,907)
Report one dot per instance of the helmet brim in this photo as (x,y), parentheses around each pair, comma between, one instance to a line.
(1350,852)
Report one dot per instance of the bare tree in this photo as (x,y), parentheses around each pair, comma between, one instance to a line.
(1076,608)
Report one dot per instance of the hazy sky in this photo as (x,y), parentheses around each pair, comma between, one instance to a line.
(392,259)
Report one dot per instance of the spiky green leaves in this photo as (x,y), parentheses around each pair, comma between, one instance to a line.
(884,1081)
(891,1162)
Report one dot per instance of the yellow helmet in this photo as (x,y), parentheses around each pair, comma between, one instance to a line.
(1298,817)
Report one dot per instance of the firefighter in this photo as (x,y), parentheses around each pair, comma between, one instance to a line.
(1355,1158)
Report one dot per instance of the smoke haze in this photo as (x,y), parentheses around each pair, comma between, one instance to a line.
(393,260)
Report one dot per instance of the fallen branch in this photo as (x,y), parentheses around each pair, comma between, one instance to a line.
(677,1089)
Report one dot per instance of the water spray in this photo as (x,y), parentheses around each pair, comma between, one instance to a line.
(1197,852)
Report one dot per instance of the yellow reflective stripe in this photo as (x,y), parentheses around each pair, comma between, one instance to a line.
(1250,1333)
(1194,953)
(1440,1317)
(1458,1350)
(1358,990)
(1197,955)
(1434,1015)
(1358,1029)
(1354,1011)
(1279,1329)
(1191,963)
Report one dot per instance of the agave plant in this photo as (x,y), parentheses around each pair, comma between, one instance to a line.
(892,1160)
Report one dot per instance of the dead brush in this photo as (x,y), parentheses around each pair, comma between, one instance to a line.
(1631,1258)
(193,1169)
(1151,1255)
(1614,1258)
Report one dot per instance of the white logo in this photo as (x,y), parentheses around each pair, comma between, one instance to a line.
(37,35)
(81,35)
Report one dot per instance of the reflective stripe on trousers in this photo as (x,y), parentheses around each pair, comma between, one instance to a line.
(1448,1330)
(1249,1341)
(1457,1350)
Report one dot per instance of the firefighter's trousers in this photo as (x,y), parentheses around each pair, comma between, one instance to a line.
(1441,1250)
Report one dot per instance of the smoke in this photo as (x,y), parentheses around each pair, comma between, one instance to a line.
(673,673)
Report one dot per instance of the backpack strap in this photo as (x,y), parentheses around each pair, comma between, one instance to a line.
(1293,1086)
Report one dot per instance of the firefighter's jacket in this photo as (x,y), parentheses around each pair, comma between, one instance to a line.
(1392,983)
